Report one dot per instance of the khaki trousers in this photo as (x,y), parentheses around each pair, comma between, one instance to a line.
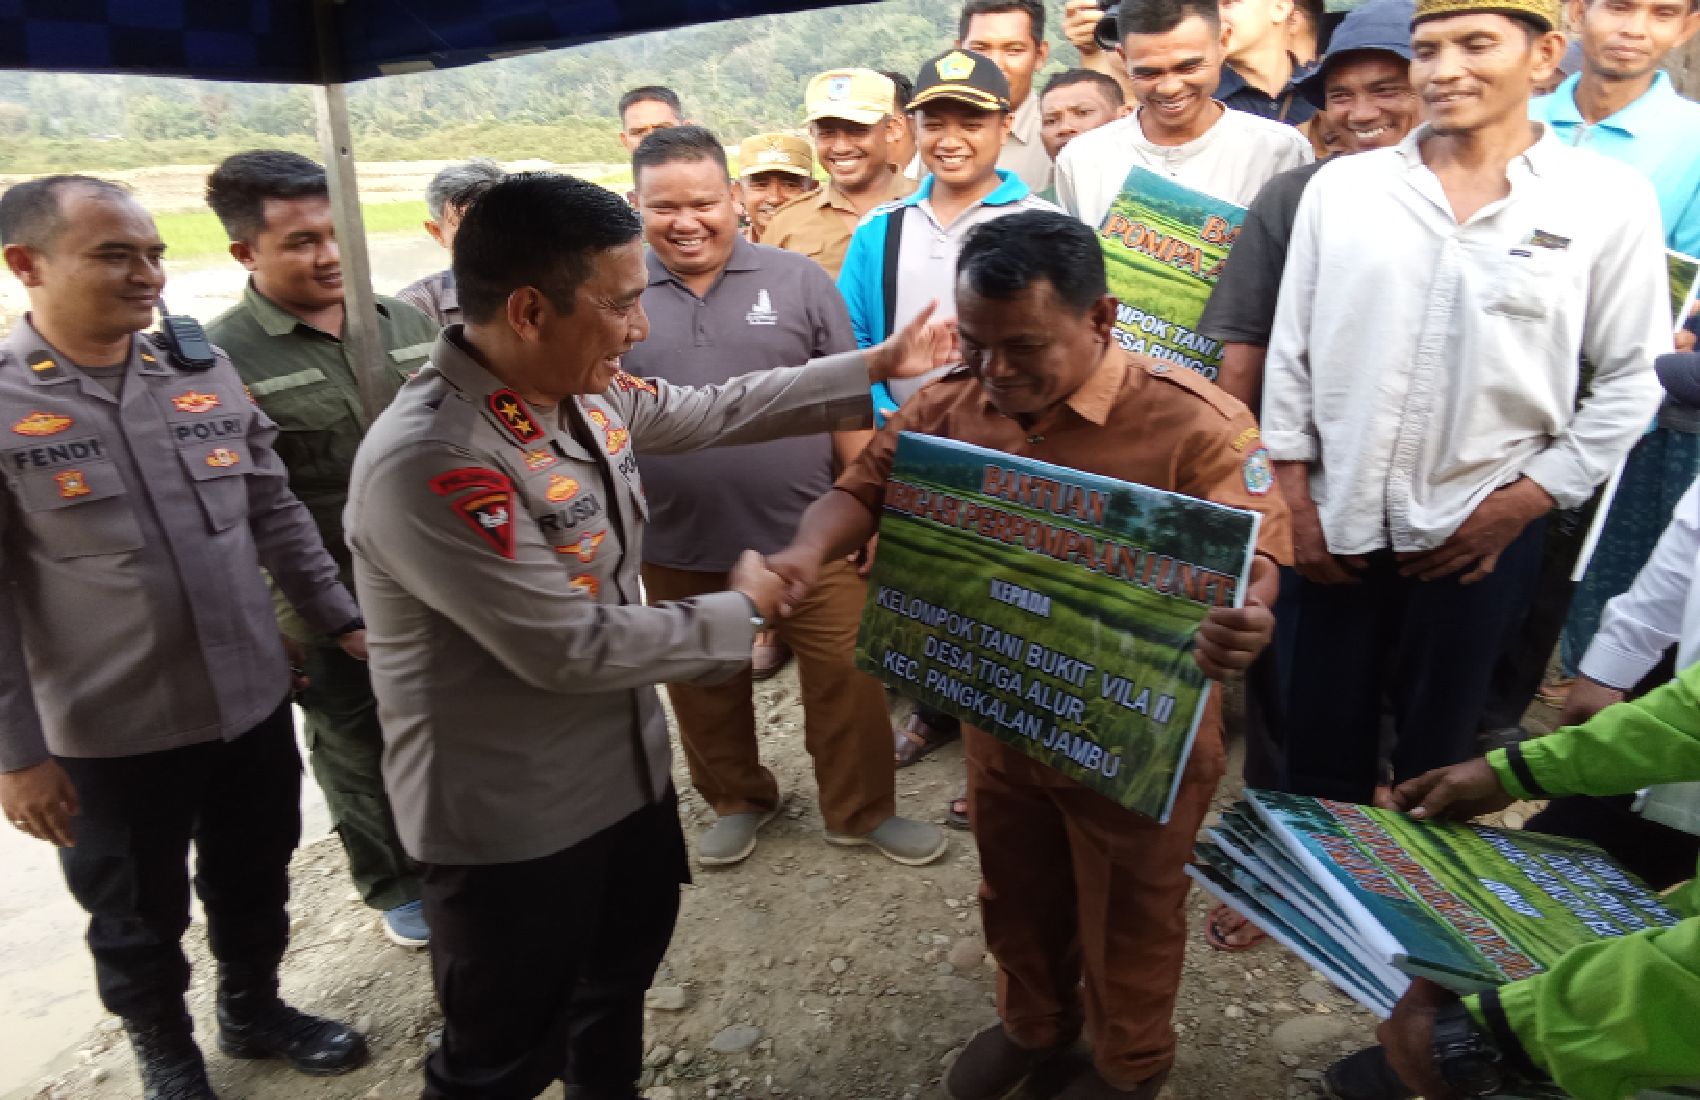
(1081,894)
(846,727)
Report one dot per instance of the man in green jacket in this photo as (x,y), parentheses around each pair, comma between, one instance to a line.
(285,337)
(1611,1018)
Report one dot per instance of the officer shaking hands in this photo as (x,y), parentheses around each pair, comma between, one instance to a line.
(496,515)
(143,684)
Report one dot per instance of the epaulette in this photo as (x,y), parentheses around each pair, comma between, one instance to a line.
(1190,380)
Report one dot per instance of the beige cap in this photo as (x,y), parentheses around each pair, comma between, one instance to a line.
(858,95)
(774,153)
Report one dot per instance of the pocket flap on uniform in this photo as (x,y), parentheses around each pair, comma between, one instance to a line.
(412,351)
(45,490)
(267,386)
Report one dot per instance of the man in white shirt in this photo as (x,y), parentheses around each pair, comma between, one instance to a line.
(1421,398)
(1012,34)
(1174,62)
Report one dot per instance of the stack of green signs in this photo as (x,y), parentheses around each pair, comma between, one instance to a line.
(1053,609)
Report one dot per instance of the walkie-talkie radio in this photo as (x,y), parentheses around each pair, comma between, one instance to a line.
(185,341)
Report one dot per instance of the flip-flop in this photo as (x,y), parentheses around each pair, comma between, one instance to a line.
(914,740)
(955,817)
(1217,936)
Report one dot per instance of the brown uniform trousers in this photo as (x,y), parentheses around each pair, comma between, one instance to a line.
(846,727)
(1077,890)
(1083,896)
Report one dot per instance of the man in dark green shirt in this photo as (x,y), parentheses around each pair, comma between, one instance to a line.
(285,338)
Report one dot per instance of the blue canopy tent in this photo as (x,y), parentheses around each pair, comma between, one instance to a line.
(329,44)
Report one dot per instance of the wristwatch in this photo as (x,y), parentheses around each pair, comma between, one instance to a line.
(757,619)
(1468,1062)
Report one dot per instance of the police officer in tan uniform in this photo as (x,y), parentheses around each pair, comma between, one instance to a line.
(496,516)
(144,692)
(852,120)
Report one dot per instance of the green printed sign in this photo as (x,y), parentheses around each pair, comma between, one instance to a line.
(1684,284)
(1164,245)
(1469,906)
(1053,609)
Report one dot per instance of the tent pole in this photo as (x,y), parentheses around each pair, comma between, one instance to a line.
(360,323)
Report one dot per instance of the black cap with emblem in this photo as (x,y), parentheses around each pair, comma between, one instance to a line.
(964,76)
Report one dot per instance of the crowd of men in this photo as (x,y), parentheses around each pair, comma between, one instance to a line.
(639,440)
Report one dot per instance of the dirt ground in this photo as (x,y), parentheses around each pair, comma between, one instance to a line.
(807,972)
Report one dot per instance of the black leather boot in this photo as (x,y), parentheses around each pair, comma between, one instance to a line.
(254,1023)
(167,1058)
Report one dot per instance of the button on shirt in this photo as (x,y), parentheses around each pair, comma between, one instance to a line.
(1658,134)
(1232,161)
(1024,148)
(305,380)
(134,615)
(769,308)
(1419,364)
(496,547)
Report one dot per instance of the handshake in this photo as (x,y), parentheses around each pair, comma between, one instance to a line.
(775,584)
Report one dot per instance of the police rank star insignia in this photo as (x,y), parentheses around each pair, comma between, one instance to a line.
(513,416)
(1259,472)
(195,402)
(40,423)
(72,484)
(223,456)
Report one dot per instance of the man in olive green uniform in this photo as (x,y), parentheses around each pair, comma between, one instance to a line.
(286,337)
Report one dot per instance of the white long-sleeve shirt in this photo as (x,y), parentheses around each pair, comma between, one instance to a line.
(1661,609)
(1231,161)
(1418,364)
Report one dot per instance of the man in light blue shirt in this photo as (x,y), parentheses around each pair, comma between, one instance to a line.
(1623,105)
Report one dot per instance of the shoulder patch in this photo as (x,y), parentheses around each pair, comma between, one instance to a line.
(491,517)
(1193,382)
(1259,472)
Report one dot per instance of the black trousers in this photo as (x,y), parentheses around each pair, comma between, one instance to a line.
(1424,649)
(239,803)
(541,966)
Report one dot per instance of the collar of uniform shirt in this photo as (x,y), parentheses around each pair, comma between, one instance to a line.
(1537,158)
(277,321)
(743,258)
(1632,120)
(1092,402)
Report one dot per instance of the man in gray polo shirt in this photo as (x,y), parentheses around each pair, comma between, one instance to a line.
(719,306)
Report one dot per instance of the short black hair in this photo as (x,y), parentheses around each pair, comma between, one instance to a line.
(1033,9)
(1106,84)
(678,144)
(31,214)
(1003,257)
(653,93)
(537,229)
(1163,16)
(904,88)
(238,189)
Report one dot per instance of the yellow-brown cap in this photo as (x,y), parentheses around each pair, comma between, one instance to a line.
(1542,12)
(774,153)
(856,95)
